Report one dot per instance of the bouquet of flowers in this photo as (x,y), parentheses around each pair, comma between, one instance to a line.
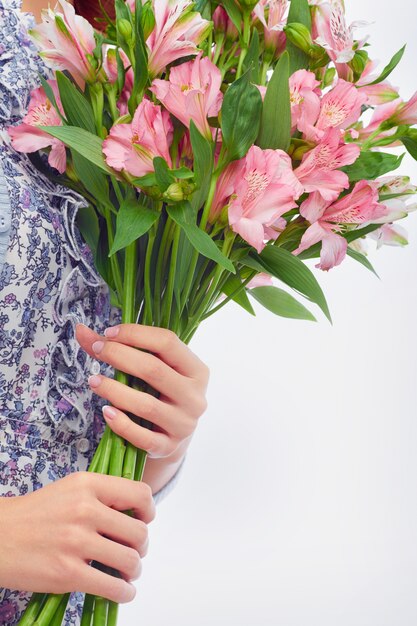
(217,144)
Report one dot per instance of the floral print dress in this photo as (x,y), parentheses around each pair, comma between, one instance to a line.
(50,420)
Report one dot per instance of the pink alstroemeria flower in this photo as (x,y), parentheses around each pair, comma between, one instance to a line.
(66,40)
(28,138)
(260,280)
(319,171)
(192,92)
(332,33)
(379,93)
(390,235)
(273,16)
(132,147)
(110,68)
(406,112)
(177,33)
(223,24)
(339,108)
(358,207)
(304,97)
(258,190)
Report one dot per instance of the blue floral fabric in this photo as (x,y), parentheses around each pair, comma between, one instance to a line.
(50,421)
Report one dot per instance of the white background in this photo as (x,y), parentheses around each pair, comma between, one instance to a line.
(297,503)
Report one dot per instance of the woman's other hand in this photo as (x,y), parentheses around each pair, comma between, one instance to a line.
(49,536)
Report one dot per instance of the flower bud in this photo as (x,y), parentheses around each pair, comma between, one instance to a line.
(358,63)
(300,149)
(300,36)
(148,20)
(124,27)
(174,192)
(328,78)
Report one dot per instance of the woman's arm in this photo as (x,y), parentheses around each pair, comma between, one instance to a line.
(172,369)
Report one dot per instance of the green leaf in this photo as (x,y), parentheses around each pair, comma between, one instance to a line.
(234,13)
(241,298)
(290,270)
(361,258)
(275,129)
(370,165)
(87,222)
(389,68)
(164,177)
(411,145)
(281,303)
(183,266)
(240,115)
(251,60)
(203,165)
(88,145)
(183,214)
(91,177)
(133,221)
(141,54)
(299,12)
(77,109)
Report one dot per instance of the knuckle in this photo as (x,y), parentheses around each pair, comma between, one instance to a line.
(132,563)
(153,368)
(83,510)
(170,339)
(147,407)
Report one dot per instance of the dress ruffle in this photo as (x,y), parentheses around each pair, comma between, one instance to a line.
(81,295)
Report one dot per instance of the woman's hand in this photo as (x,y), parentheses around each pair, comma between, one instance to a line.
(172,369)
(49,536)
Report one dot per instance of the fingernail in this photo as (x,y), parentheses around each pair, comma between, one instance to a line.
(112,331)
(109,412)
(94,381)
(98,346)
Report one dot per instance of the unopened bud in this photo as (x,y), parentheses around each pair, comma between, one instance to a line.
(358,63)
(300,36)
(329,76)
(299,151)
(148,20)
(174,192)
(124,27)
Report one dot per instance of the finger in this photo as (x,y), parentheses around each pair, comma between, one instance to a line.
(142,365)
(165,415)
(124,494)
(124,559)
(154,443)
(93,581)
(161,341)
(122,528)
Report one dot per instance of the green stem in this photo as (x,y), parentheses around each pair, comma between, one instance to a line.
(128,310)
(158,272)
(231,296)
(245,43)
(169,293)
(112,614)
(227,246)
(48,610)
(114,261)
(203,222)
(88,610)
(33,609)
(147,274)
(100,611)
(60,612)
